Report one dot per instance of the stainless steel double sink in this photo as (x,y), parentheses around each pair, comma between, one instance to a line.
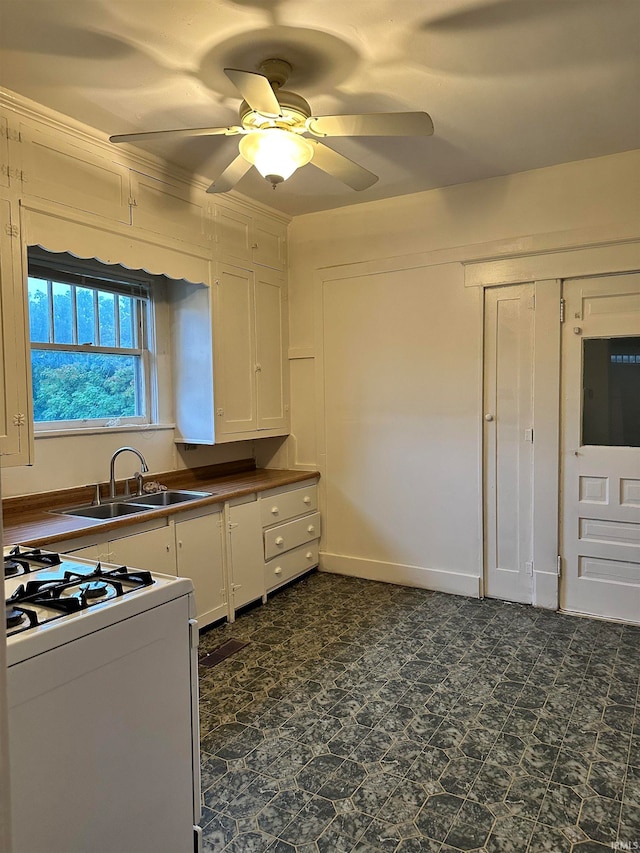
(130,506)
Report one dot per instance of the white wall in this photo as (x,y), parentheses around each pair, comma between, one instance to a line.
(386,347)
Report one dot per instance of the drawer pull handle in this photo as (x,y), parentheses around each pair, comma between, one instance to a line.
(309,555)
(311,529)
(306,499)
(279,540)
(277,570)
(274,510)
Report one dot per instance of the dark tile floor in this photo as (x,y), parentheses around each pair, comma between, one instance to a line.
(367,717)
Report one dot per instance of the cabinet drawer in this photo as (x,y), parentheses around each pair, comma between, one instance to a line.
(282,507)
(287,566)
(283,538)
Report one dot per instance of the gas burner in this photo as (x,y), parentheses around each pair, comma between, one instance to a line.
(46,588)
(21,561)
(94,588)
(12,567)
(14,616)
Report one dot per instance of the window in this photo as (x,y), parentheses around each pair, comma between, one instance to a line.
(611,391)
(89,329)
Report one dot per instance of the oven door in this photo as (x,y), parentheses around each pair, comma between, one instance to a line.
(101,740)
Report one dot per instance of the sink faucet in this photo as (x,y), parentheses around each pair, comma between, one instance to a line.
(112,468)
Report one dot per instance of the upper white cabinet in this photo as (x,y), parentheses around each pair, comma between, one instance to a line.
(77,175)
(269,243)
(16,430)
(257,239)
(251,388)
(169,207)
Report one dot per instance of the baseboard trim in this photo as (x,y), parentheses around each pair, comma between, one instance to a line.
(437,580)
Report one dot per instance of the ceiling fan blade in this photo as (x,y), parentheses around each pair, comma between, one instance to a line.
(176,134)
(350,173)
(256,90)
(231,175)
(374,124)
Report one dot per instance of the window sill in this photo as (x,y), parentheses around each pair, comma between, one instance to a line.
(101,430)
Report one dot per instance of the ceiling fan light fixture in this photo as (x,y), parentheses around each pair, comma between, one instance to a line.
(276,153)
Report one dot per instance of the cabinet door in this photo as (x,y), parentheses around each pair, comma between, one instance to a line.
(15,410)
(272,409)
(168,207)
(235,358)
(57,169)
(246,563)
(152,550)
(199,557)
(91,552)
(269,244)
(233,233)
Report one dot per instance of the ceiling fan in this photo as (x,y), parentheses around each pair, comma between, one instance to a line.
(279,134)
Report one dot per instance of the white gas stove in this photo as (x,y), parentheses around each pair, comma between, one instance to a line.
(103,706)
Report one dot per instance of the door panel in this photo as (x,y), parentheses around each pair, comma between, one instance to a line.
(601,447)
(235,356)
(508,442)
(270,350)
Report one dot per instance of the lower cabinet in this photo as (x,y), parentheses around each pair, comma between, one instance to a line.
(244,552)
(188,544)
(269,539)
(199,556)
(291,530)
(152,549)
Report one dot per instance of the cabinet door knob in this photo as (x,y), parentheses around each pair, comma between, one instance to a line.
(311,529)
(277,570)
(488,417)
(306,499)
(274,510)
(279,540)
(309,555)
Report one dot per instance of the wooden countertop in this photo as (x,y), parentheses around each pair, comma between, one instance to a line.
(31,519)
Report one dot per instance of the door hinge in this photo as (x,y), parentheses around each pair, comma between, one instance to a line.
(559,566)
(528,435)
(528,567)
(532,303)
(12,134)
(232,524)
(12,230)
(132,202)
(18,174)
(562,310)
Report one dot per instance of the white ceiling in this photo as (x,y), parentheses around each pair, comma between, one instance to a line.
(511,85)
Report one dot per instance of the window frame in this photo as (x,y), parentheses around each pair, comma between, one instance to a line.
(101,278)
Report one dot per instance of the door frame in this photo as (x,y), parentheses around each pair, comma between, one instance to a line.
(547,271)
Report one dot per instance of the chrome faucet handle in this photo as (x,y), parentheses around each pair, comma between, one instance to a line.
(96,498)
(140,481)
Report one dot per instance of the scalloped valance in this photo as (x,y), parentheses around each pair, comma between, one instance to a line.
(112,243)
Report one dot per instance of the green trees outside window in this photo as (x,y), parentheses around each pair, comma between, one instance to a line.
(87,347)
